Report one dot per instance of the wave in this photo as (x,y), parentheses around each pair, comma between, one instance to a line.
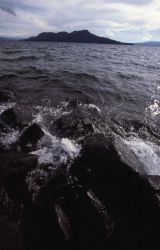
(78,76)
(146,153)
(20,58)
(11,52)
(129,76)
(7,76)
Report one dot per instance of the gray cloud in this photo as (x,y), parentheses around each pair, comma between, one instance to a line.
(10,6)
(124,20)
(7,7)
(135,2)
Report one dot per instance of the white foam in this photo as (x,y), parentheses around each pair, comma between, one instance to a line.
(70,147)
(8,139)
(154,108)
(93,106)
(148,154)
(5,106)
(55,151)
(52,154)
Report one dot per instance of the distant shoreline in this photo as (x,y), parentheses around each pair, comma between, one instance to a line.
(82,36)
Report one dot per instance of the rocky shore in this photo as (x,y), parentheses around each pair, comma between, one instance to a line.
(94,200)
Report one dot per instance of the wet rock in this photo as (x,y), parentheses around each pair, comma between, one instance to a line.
(129,198)
(10,215)
(89,229)
(73,125)
(8,117)
(73,103)
(63,222)
(10,235)
(82,218)
(2,150)
(41,225)
(9,120)
(3,128)
(30,137)
(155,183)
(51,191)
(13,170)
(4,96)
(41,229)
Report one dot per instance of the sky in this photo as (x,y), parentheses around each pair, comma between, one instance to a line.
(122,20)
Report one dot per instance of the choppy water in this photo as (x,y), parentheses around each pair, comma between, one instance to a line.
(118,88)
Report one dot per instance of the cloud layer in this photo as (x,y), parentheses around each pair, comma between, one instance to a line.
(124,20)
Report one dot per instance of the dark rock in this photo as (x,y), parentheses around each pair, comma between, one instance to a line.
(90,229)
(13,170)
(129,199)
(4,97)
(40,222)
(41,229)
(82,218)
(10,215)
(2,150)
(9,119)
(30,135)
(63,222)
(54,188)
(3,128)
(73,103)
(10,234)
(73,125)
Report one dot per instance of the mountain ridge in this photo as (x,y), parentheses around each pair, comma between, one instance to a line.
(82,36)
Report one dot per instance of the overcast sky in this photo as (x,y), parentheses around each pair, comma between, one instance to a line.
(123,20)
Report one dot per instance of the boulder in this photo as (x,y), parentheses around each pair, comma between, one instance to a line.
(4,96)
(81,217)
(73,126)
(30,137)
(9,120)
(129,198)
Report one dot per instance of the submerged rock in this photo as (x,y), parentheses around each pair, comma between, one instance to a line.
(30,137)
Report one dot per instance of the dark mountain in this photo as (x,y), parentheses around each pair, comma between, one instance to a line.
(151,43)
(83,36)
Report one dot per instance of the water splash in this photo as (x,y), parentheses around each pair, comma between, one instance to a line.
(147,153)
(154,108)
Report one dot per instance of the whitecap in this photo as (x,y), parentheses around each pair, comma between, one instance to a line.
(142,155)
(154,109)
(10,138)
